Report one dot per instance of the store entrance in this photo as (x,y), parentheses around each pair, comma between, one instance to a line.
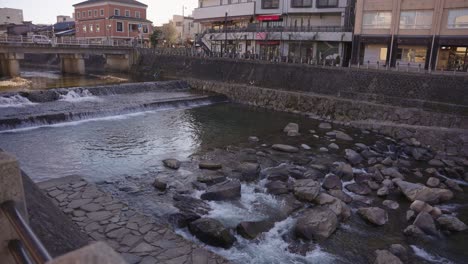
(453,59)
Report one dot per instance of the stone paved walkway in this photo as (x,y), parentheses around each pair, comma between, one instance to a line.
(137,237)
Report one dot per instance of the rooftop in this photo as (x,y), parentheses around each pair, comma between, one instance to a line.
(131,2)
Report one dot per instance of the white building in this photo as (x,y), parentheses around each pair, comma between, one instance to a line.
(11,16)
(65,19)
(187,29)
(310,29)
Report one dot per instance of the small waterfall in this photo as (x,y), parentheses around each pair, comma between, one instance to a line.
(78,96)
(429,257)
(14,101)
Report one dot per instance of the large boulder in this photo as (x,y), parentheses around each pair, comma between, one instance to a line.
(425,222)
(341,195)
(386,257)
(291,128)
(451,223)
(172,163)
(392,172)
(285,148)
(279,173)
(190,209)
(336,205)
(353,157)
(212,232)
(414,192)
(210,165)
(316,223)
(306,190)
(250,230)
(228,190)
(374,215)
(343,136)
(211,177)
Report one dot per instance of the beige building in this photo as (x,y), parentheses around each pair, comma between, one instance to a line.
(419,33)
(187,29)
(61,19)
(11,16)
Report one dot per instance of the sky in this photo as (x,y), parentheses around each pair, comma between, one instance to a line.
(46,11)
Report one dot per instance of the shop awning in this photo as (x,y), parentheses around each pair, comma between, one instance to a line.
(268,17)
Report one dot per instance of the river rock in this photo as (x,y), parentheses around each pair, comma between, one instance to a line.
(453,185)
(391,204)
(228,190)
(433,182)
(316,223)
(392,172)
(277,187)
(342,170)
(414,192)
(421,154)
(420,206)
(336,205)
(374,215)
(172,164)
(436,163)
(399,250)
(306,190)
(386,257)
(285,148)
(211,177)
(190,209)
(333,146)
(383,191)
(425,222)
(253,139)
(250,230)
(343,136)
(249,171)
(358,189)
(325,126)
(160,185)
(209,165)
(451,223)
(341,195)
(212,232)
(332,181)
(291,127)
(353,157)
(306,147)
(413,230)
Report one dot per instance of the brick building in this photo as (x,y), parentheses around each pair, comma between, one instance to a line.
(116,21)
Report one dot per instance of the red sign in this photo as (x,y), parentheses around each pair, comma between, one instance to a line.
(269,18)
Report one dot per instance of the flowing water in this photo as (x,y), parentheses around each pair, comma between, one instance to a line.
(128,146)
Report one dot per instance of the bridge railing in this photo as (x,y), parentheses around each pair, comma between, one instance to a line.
(66,41)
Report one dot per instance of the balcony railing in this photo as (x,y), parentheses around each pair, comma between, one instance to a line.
(259,28)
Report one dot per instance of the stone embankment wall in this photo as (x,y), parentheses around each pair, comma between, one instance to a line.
(433,109)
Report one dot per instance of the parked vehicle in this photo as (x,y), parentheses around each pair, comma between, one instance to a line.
(40,39)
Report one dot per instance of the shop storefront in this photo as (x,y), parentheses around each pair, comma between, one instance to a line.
(453,58)
(269,49)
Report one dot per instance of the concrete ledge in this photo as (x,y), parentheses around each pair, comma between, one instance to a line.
(97,253)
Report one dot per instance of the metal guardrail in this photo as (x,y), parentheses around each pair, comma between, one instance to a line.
(29,249)
(327,62)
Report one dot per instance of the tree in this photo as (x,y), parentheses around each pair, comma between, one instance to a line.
(155,37)
(169,33)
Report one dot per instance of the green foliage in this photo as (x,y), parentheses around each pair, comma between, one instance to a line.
(155,37)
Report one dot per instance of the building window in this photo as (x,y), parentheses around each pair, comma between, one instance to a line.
(270,4)
(98,28)
(90,13)
(137,14)
(377,20)
(83,14)
(178,24)
(102,12)
(327,3)
(78,14)
(127,13)
(458,18)
(84,28)
(412,54)
(116,12)
(120,27)
(95,13)
(91,28)
(145,29)
(416,19)
(301,3)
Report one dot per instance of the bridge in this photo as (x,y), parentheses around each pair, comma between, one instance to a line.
(72,54)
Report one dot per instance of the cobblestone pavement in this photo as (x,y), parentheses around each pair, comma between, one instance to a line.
(137,237)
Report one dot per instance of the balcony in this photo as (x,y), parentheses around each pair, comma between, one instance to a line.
(233,10)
